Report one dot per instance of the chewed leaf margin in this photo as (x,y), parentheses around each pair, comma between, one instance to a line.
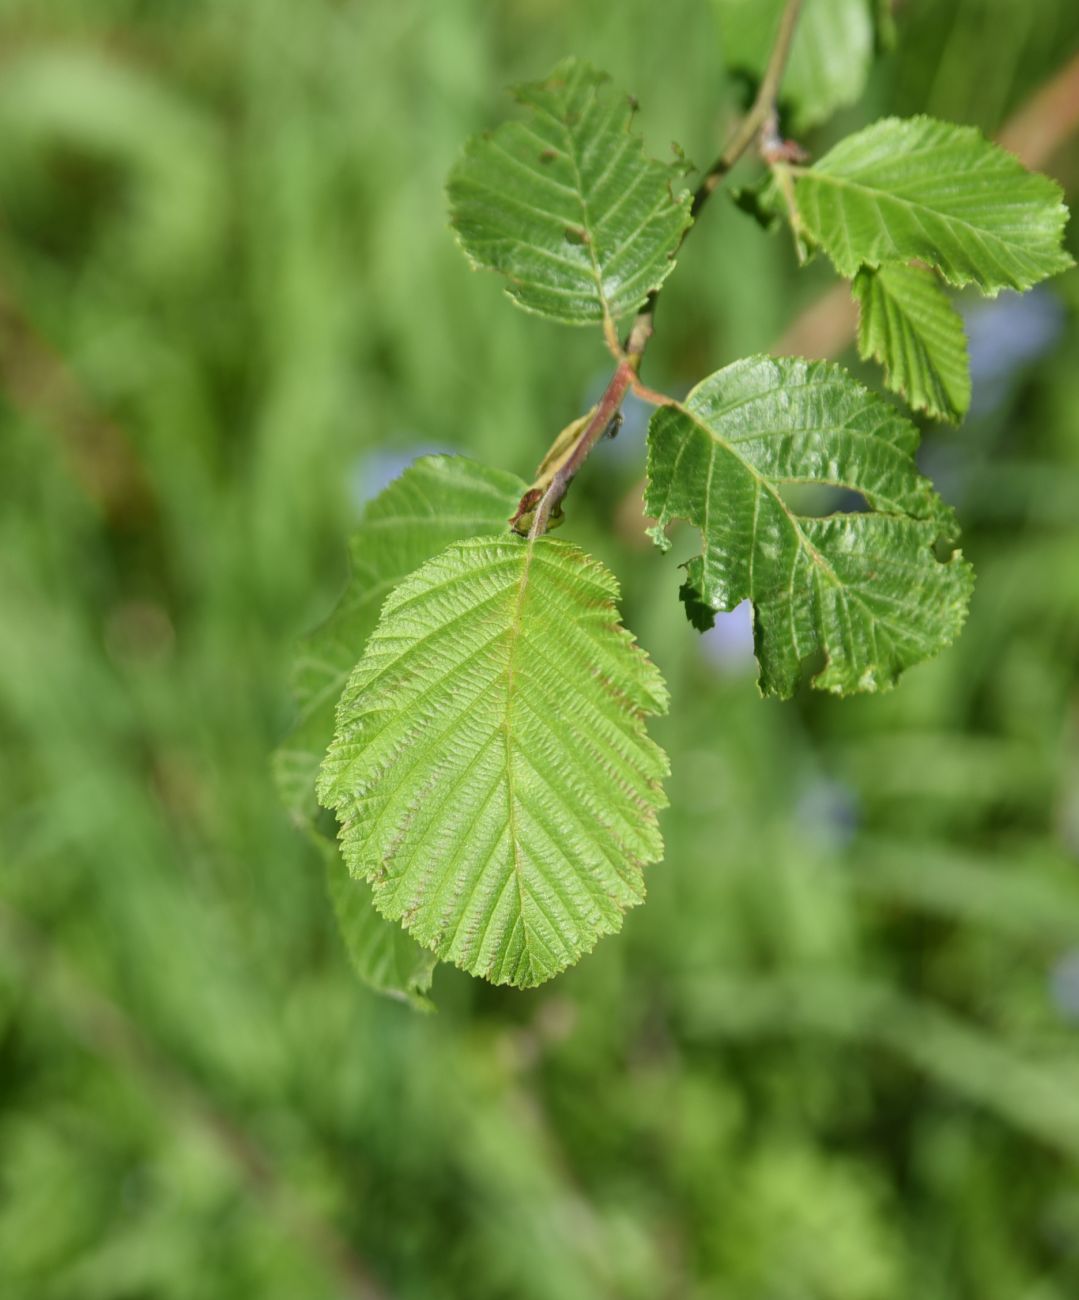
(865,588)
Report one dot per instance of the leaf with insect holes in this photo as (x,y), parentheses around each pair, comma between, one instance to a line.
(917,189)
(829,55)
(906,322)
(866,589)
(565,204)
(437,500)
(491,768)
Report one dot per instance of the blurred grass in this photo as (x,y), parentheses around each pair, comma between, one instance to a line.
(834,1055)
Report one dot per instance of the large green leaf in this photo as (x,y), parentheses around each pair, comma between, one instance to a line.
(906,322)
(829,57)
(566,205)
(435,501)
(491,767)
(864,588)
(915,188)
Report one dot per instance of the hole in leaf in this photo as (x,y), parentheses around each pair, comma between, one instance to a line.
(813,500)
(700,615)
(809,666)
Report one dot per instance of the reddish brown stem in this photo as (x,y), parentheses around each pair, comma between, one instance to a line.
(606,410)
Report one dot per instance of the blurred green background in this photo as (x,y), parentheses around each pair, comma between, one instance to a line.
(836,1054)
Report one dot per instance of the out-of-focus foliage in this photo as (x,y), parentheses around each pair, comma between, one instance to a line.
(836,1054)
(829,59)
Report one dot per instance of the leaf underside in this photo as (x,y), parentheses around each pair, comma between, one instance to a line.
(918,189)
(491,767)
(566,205)
(829,57)
(437,500)
(864,588)
(906,323)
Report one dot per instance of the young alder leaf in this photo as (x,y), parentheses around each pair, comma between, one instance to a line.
(435,501)
(915,188)
(491,767)
(864,588)
(829,57)
(906,322)
(565,204)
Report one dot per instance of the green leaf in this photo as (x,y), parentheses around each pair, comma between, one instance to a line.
(435,501)
(864,588)
(491,767)
(906,323)
(383,955)
(565,204)
(918,189)
(829,58)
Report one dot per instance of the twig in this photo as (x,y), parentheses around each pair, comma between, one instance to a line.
(760,116)
(606,410)
(625,377)
(760,111)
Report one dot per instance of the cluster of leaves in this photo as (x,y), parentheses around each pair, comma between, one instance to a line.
(905,205)
(489,767)
(834,1053)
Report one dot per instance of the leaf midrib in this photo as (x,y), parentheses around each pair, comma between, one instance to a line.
(507,728)
(764,482)
(730,445)
(980,233)
(586,223)
(823,566)
(921,331)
